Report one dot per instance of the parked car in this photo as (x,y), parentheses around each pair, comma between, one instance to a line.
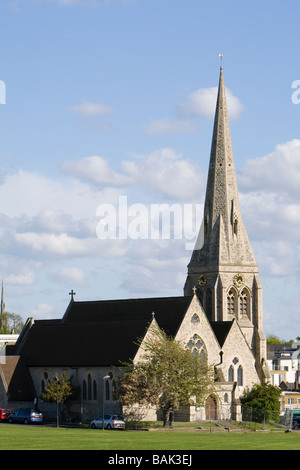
(26,415)
(110,422)
(296,423)
(4,414)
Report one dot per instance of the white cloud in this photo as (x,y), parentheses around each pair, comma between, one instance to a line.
(273,226)
(151,266)
(277,171)
(64,246)
(32,199)
(89,109)
(95,169)
(162,170)
(269,195)
(202,102)
(61,244)
(26,277)
(167,172)
(50,220)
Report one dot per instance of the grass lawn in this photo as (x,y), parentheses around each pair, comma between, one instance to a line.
(14,437)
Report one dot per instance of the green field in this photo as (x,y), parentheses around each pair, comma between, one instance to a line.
(14,437)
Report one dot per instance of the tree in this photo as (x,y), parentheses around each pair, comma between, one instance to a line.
(272,339)
(167,375)
(262,402)
(11,322)
(60,390)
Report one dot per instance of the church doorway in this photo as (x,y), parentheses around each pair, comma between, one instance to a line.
(211,408)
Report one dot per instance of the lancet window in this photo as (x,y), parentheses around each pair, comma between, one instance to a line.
(208,303)
(240,375)
(231,301)
(245,302)
(230,374)
(89,389)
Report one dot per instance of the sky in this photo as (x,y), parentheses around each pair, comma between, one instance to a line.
(106,112)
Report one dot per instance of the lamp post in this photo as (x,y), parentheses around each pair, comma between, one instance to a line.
(57,384)
(103,398)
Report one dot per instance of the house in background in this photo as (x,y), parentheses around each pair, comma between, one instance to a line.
(284,365)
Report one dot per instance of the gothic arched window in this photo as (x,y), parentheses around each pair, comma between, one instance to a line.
(231,301)
(197,347)
(195,319)
(107,390)
(95,390)
(208,303)
(245,302)
(240,375)
(230,374)
(84,390)
(89,387)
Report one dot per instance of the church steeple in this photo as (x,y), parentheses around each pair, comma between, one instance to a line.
(224,241)
(3,313)
(2,299)
(223,268)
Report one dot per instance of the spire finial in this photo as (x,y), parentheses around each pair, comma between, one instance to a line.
(221,60)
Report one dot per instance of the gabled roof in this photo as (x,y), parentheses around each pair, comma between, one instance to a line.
(99,333)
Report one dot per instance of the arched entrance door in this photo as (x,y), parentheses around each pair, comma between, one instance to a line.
(211,409)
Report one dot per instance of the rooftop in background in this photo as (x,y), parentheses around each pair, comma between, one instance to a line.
(8,338)
(283,350)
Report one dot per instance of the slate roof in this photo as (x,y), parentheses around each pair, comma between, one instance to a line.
(98,333)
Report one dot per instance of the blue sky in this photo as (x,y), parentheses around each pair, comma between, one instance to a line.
(110,98)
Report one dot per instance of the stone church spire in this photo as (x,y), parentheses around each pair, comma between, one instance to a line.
(2,299)
(223,271)
(224,241)
(2,313)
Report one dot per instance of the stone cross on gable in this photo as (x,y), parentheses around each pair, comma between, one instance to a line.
(72,293)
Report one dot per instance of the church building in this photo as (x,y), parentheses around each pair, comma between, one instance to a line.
(219,314)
